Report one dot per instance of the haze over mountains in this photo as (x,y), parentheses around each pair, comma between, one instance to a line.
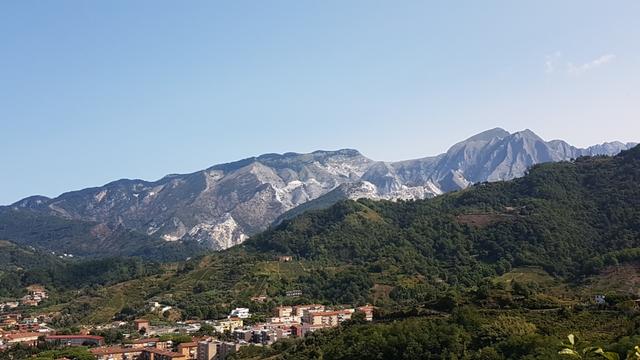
(223,205)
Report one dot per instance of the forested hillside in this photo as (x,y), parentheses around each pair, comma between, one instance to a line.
(21,266)
(570,218)
(86,239)
(528,255)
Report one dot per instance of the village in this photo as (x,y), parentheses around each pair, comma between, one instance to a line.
(182,340)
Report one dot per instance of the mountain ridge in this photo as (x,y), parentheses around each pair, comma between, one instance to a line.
(224,204)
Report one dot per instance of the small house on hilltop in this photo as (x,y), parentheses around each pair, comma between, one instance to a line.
(141,324)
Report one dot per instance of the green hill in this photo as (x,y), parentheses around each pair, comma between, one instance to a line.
(86,239)
(21,266)
(527,255)
(570,219)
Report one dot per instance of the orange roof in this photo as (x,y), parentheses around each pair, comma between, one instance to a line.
(143,341)
(319,326)
(113,350)
(15,336)
(163,352)
(64,337)
(187,344)
(325,313)
(140,321)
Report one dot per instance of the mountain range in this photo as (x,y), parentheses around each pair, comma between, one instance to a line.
(223,205)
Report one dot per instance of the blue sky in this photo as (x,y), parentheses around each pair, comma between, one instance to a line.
(92,91)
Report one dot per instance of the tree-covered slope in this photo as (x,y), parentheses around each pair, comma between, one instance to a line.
(21,266)
(86,239)
(563,216)
(570,218)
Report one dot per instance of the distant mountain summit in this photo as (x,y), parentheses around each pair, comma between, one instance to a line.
(221,206)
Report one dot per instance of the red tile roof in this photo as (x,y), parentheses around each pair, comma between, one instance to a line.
(163,352)
(144,341)
(68,337)
(114,350)
(187,344)
(15,336)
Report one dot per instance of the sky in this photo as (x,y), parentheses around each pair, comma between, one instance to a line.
(94,91)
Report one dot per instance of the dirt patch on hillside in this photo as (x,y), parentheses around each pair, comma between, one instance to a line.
(623,278)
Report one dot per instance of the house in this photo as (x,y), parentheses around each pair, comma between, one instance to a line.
(24,338)
(27,300)
(28,326)
(228,325)
(307,328)
(285,314)
(151,342)
(37,291)
(115,353)
(10,305)
(600,300)
(225,349)
(160,354)
(141,324)
(9,321)
(284,311)
(243,334)
(368,312)
(76,340)
(325,318)
(207,350)
(301,309)
(296,330)
(285,258)
(189,349)
(242,313)
(294,293)
(264,337)
(260,298)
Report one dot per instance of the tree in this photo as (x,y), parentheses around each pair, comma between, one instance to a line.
(589,352)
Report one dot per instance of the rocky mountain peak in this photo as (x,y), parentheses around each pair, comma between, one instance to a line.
(221,206)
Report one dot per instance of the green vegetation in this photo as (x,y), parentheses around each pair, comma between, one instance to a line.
(498,271)
(46,351)
(23,266)
(82,238)
(557,225)
(465,334)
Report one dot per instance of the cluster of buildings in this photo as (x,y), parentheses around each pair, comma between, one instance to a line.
(14,328)
(287,321)
(31,338)
(9,305)
(157,349)
(144,327)
(295,321)
(35,295)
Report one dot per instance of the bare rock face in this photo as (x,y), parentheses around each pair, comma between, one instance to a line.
(223,205)
(219,206)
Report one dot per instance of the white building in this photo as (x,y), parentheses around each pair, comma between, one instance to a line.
(241,313)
